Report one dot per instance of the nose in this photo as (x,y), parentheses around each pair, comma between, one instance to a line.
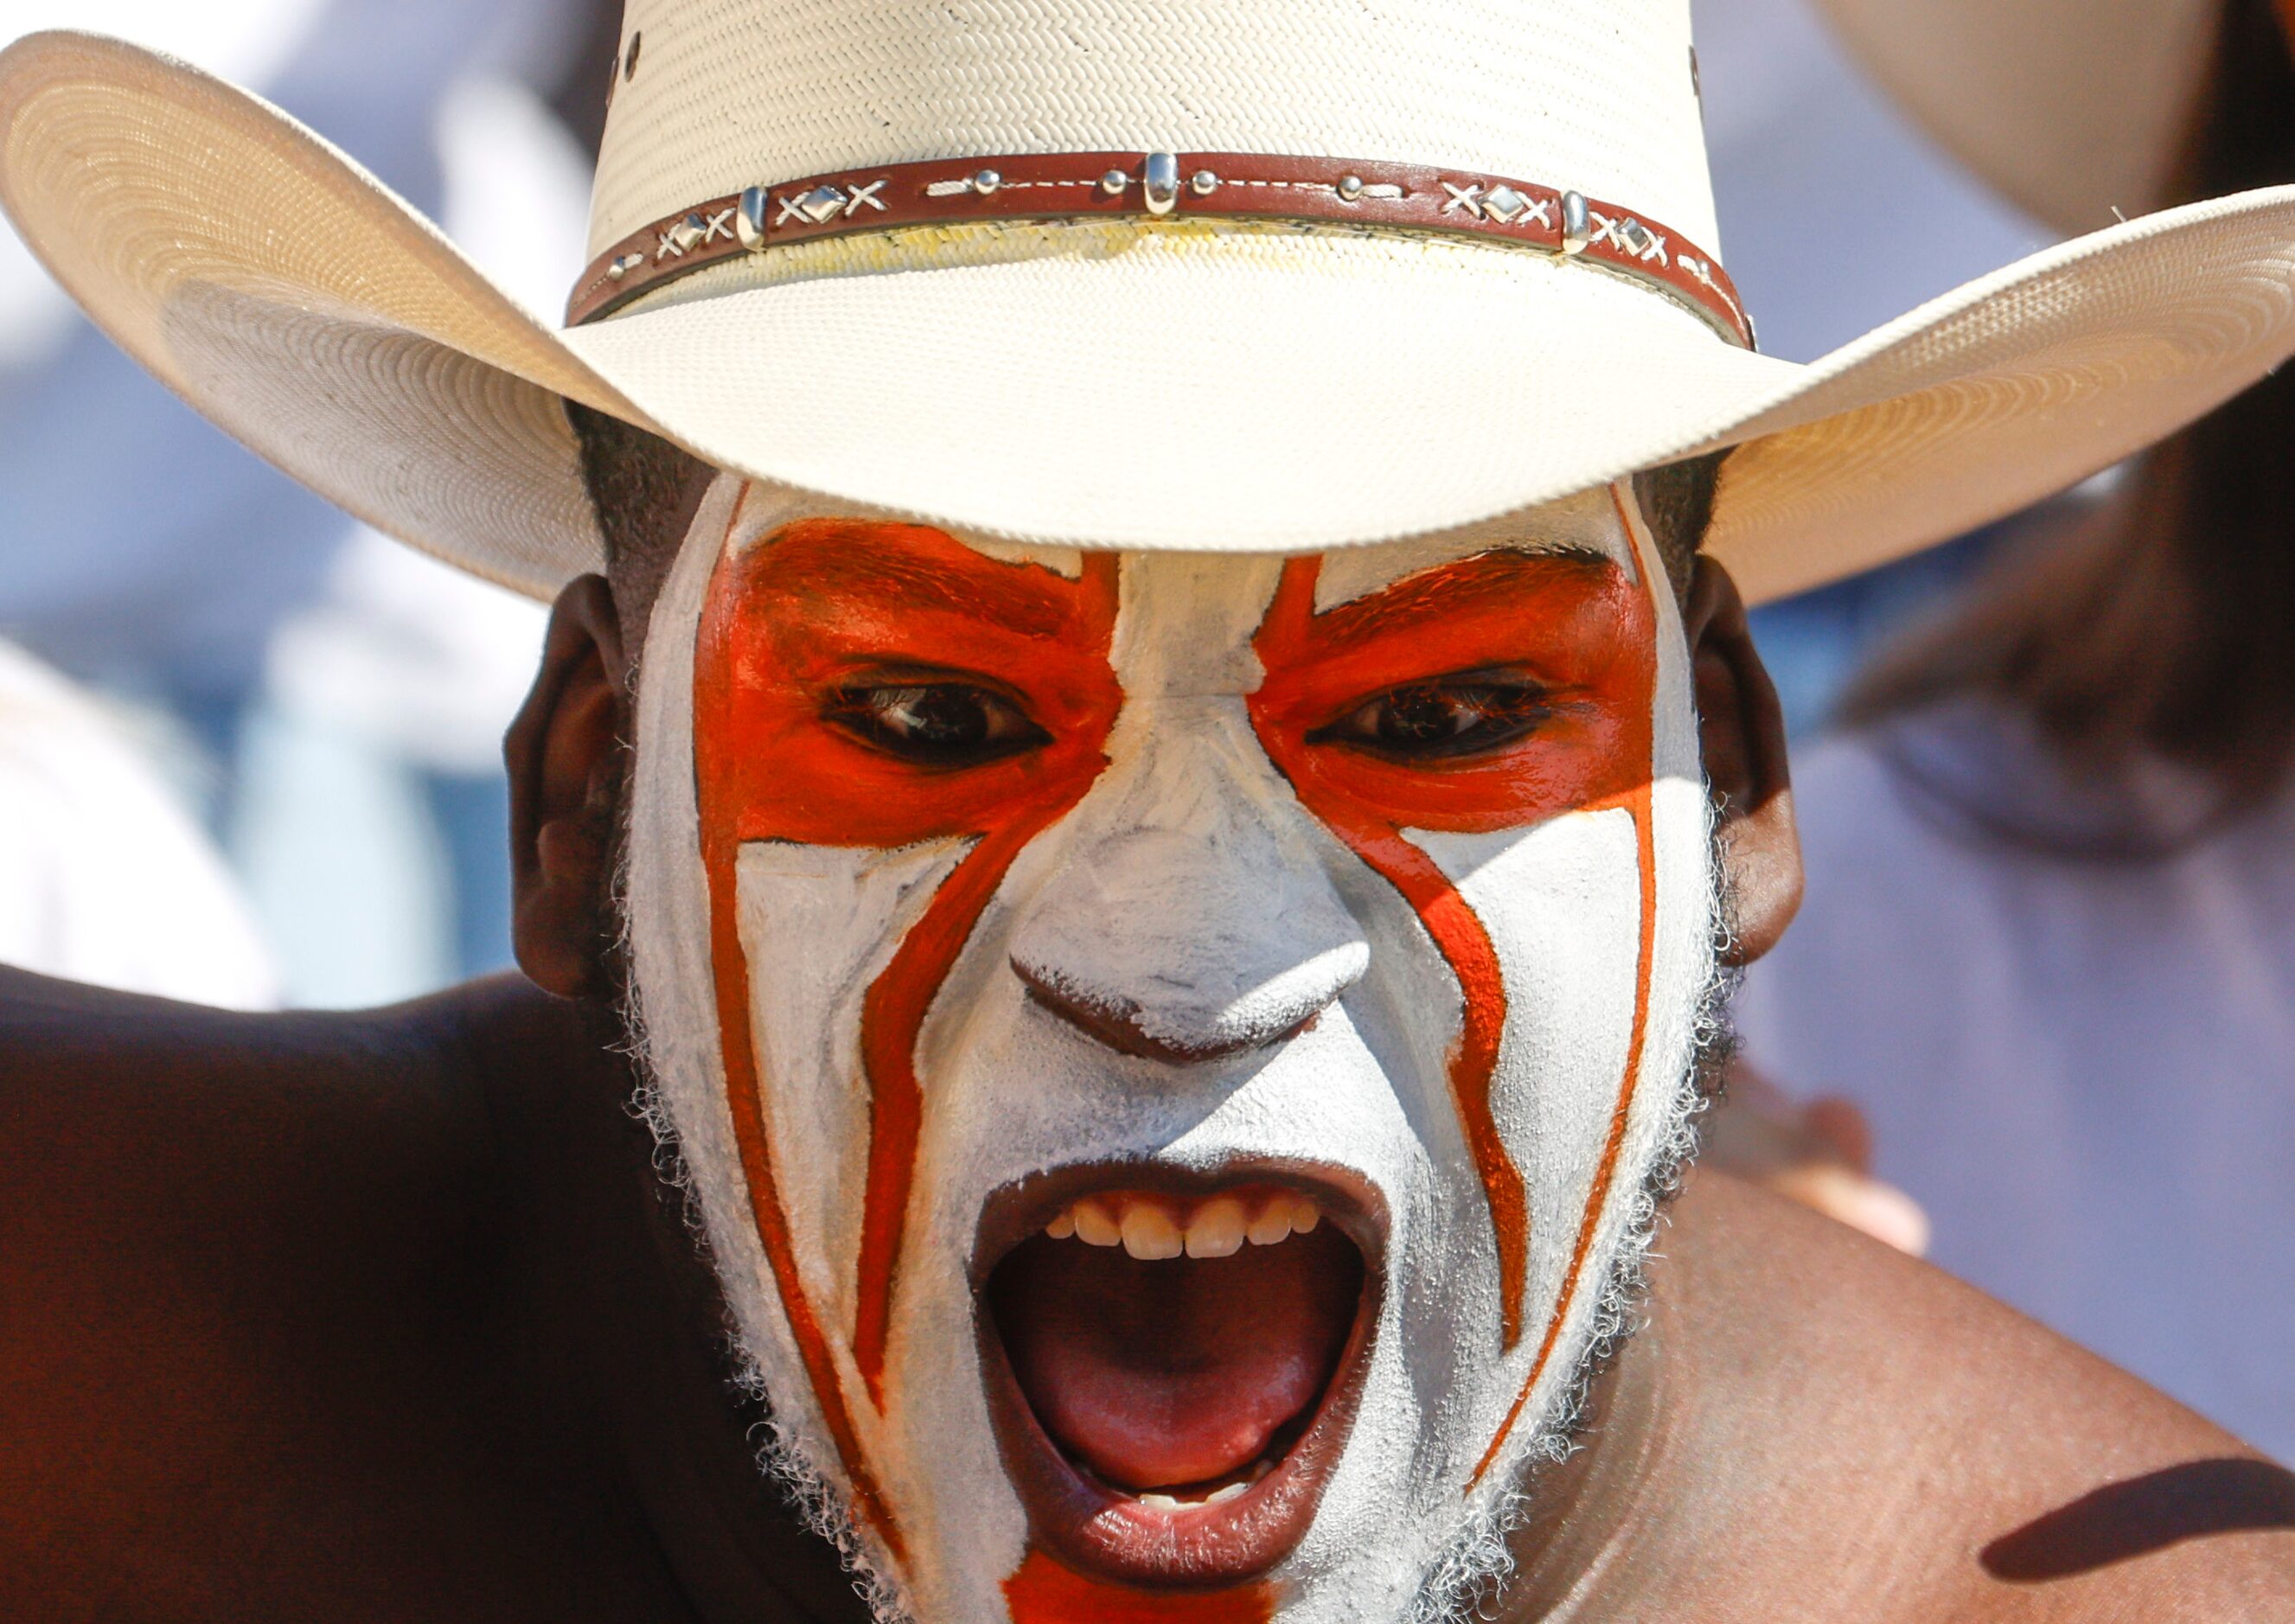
(1188,946)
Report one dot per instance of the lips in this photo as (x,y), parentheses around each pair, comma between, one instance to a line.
(1173,1363)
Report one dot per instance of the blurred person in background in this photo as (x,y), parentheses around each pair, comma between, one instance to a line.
(102,877)
(340,698)
(2049,945)
(1807,154)
(1808,151)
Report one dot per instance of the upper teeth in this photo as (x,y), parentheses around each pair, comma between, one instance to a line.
(1151,1227)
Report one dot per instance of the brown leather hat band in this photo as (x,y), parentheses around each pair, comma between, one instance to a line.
(1150,186)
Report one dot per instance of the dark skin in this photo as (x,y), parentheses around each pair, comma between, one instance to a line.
(389,1316)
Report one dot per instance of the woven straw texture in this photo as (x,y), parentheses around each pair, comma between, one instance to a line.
(727,94)
(2072,107)
(1178,384)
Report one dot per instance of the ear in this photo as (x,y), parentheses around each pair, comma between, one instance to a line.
(1742,730)
(564,753)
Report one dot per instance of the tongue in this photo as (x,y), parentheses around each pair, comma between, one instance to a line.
(1182,1371)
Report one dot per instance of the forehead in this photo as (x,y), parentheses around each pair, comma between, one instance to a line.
(889,558)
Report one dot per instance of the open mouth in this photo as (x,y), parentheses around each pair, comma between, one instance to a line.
(1173,1361)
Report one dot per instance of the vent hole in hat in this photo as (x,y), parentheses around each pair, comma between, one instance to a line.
(630,62)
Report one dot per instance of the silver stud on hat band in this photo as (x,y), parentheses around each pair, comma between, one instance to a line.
(1577,226)
(1160,181)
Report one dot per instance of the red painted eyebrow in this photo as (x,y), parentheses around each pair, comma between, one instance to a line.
(842,563)
(1497,579)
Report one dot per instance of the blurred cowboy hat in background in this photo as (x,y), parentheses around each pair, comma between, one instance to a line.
(2075,109)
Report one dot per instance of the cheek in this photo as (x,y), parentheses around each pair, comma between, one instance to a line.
(1595,758)
(1562,908)
(850,909)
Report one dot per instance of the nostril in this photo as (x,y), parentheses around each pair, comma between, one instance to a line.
(1185,947)
(1179,1031)
(1124,1026)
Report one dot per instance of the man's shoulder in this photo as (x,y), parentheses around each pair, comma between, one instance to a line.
(150,1110)
(256,1265)
(1870,1419)
(179,1177)
(252,1157)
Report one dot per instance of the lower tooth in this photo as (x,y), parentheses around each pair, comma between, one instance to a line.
(1227,1494)
(1159,1502)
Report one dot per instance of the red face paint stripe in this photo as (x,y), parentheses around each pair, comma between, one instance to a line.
(1640,803)
(731,968)
(1465,947)
(1646,852)
(1595,651)
(892,1014)
(1458,934)
(730,962)
(787,624)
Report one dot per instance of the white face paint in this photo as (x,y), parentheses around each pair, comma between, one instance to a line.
(976,892)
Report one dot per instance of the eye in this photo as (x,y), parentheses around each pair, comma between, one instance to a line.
(940,724)
(1450,717)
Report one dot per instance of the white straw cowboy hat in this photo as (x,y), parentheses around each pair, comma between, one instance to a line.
(1278,275)
(2074,109)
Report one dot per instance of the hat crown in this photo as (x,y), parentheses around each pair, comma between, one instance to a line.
(711,96)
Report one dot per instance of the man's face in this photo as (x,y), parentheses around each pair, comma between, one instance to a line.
(1169,1046)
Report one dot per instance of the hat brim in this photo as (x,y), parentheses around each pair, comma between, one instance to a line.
(1197,388)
